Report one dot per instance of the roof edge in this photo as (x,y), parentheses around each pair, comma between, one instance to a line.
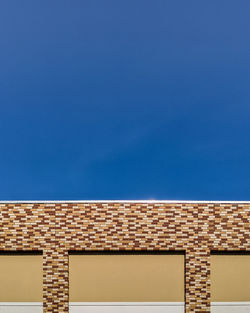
(123,201)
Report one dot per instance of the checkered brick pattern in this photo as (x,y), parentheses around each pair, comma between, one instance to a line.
(57,228)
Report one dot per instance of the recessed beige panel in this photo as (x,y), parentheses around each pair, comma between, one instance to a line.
(126,278)
(21,278)
(230,278)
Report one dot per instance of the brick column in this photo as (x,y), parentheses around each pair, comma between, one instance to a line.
(55,281)
(197,280)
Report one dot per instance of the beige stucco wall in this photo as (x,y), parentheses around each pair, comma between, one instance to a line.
(126,278)
(21,278)
(230,278)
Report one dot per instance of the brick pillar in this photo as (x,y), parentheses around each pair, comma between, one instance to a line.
(197,281)
(55,281)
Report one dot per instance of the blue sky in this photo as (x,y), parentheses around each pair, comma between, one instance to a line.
(131,99)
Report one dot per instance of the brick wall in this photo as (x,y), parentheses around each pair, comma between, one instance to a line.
(56,228)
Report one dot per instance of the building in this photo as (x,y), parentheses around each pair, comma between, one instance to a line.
(124,256)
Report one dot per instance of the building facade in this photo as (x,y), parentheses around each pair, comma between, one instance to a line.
(161,252)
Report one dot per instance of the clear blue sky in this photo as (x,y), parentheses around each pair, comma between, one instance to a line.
(130,99)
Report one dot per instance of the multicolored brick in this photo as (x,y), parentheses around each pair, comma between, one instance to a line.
(57,227)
